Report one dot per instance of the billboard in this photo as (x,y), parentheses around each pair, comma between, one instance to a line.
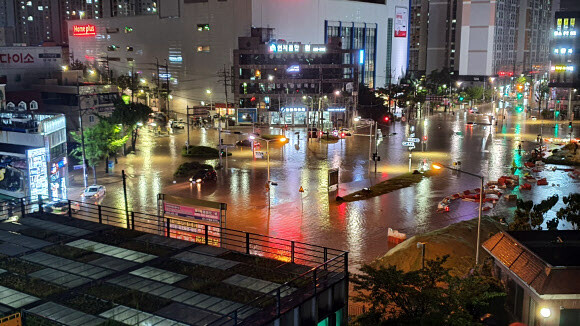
(37,172)
(19,57)
(188,218)
(401,21)
(247,116)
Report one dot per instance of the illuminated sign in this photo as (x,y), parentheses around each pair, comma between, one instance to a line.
(295,48)
(293,109)
(37,172)
(336,109)
(175,58)
(562,68)
(361,56)
(166,76)
(84,30)
(293,69)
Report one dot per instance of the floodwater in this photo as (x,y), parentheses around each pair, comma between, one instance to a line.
(314,216)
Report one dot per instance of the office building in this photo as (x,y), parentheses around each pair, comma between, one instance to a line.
(565,50)
(297,84)
(474,40)
(187,45)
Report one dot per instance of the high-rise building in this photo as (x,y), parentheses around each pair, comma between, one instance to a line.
(483,38)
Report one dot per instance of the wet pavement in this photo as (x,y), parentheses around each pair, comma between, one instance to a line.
(314,216)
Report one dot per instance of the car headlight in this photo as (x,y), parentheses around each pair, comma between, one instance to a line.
(198,180)
(190,179)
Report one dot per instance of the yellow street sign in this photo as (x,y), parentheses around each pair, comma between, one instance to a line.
(301,189)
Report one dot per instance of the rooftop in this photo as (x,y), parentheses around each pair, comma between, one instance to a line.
(27,122)
(545,260)
(71,271)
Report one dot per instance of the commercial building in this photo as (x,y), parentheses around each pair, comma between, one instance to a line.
(296,84)
(25,65)
(483,38)
(565,62)
(540,270)
(188,46)
(33,154)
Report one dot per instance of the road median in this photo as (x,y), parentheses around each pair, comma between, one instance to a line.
(384,187)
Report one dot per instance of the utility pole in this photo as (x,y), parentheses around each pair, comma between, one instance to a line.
(132,84)
(167,79)
(157,76)
(82,134)
(225,79)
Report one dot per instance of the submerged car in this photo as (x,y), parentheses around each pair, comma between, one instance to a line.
(94,191)
(61,207)
(203,175)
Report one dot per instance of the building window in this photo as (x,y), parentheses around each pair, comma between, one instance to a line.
(91,118)
(112,48)
(33,105)
(202,27)
(130,48)
(203,48)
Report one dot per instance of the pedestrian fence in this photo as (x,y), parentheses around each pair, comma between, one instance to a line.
(327,266)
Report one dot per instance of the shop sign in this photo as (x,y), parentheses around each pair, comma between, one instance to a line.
(296,48)
(84,30)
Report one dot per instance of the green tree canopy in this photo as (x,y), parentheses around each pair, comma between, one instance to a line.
(101,140)
(528,216)
(129,115)
(429,296)
(571,212)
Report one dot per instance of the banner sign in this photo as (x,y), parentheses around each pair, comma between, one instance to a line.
(401,21)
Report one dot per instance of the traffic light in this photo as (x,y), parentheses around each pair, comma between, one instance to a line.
(519,108)
(557,114)
(424,138)
(461,98)
(386,119)
(520,95)
(570,124)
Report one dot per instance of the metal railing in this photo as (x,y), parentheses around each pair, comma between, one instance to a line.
(327,266)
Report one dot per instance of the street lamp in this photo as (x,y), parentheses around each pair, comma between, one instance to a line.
(421,245)
(438,166)
(282,140)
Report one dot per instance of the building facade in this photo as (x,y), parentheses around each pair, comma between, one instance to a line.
(565,50)
(188,44)
(33,155)
(290,83)
(540,271)
(24,66)
(481,39)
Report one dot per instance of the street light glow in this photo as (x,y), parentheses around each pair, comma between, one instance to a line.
(283,139)
(208,91)
(437,166)
(545,312)
(337,92)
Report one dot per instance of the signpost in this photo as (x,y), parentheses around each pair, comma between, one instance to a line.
(414,140)
(410,145)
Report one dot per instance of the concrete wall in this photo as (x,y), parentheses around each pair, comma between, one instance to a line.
(25,65)
(477,33)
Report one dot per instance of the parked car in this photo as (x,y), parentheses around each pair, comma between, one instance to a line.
(94,191)
(244,143)
(179,124)
(312,133)
(203,175)
(61,207)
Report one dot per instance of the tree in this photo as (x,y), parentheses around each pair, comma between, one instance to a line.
(124,82)
(429,296)
(474,93)
(371,106)
(531,217)
(101,140)
(129,116)
(571,212)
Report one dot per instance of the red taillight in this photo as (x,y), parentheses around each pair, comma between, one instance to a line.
(386,119)
(447,208)
(342,135)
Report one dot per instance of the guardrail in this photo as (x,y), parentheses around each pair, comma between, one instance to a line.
(327,266)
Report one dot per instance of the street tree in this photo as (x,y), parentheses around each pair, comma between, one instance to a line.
(436,79)
(129,116)
(428,296)
(474,93)
(571,212)
(124,82)
(371,105)
(528,216)
(101,141)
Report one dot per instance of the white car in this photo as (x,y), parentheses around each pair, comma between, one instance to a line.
(94,191)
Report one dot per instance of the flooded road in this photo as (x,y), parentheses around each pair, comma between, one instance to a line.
(314,216)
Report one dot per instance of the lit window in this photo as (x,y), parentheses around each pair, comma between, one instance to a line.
(89,1)
(29,3)
(128,29)
(555,51)
(204,48)
(570,51)
(40,8)
(30,18)
(130,48)
(202,27)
